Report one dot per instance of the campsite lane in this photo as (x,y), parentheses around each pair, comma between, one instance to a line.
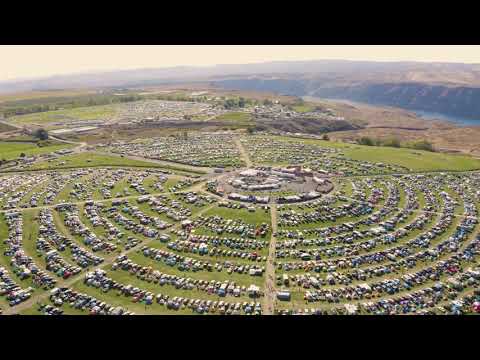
(243,153)
(270,294)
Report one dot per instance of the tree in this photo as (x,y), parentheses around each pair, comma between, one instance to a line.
(241,102)
(325,137)
(423,145)
(229,103)
(267,102)
(299,102)
(22,155)
(41,134)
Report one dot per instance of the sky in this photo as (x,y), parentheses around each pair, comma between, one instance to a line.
(30,61)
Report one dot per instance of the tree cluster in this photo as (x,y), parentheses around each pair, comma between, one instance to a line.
(41,134)
(396,143)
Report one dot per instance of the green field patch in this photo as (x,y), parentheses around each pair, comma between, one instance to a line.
(89,159)
(416,160)
(257,217)
(303,108)
(13,150)
(239,118)
(89,113)
(124,277)
(242,280)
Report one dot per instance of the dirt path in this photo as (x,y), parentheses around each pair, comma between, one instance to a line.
(270,292)
(80,145)
(187,168)
(243,153)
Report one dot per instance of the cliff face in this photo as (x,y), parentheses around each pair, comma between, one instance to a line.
(459,101)
(306,125)
(455,101)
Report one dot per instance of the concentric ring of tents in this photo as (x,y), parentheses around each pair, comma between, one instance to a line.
(119,241)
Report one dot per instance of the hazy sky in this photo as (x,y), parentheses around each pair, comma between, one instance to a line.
(37,61)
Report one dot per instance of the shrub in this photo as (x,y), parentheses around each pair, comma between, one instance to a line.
(422,145)
(392,142)
(41,134)
(366,141)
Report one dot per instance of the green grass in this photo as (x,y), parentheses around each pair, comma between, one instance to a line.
(82,113)
(5,128)
(5,262)
(303,108)
(12,150)
(241,279)
(237,117)
(93,160)
(416,160)
(124,277)
(112,298)
(36,95)
(67,310)
(20,138)
(30,235)
(254,218)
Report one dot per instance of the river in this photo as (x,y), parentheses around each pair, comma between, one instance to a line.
(458,120)
(427,115)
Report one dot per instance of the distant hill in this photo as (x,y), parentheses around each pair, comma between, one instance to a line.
(335,71)
(450,88)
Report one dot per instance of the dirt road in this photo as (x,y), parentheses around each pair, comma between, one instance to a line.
(243,153)
(187,168)
(80,145)
(270,292)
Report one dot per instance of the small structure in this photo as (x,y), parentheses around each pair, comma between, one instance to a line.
(283,295)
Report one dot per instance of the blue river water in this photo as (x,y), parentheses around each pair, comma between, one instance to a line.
(458,120)
(427,115)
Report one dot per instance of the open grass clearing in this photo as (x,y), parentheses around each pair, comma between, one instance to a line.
(13,150)
(416,160)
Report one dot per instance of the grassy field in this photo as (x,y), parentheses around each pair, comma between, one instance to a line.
(255,218)
(239,118)
(5,128)
(33,95)
(12,150)
(81,113)
(88,159)
(416,160)
(303,108)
